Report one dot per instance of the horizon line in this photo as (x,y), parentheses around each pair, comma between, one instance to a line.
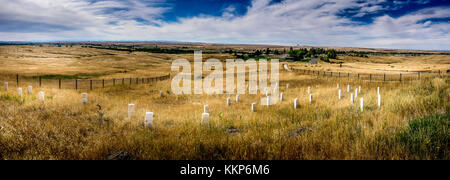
(187,42)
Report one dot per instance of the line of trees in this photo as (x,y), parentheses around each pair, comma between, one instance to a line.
(325,55)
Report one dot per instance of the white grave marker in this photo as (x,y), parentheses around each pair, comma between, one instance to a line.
(378,91)
(356,93)
(237,98)
(228,102)
(282,97)
(149,119)
(268,100)
(348,88)
(19,92)
(352,98)
(253,107)
(131,110)
(30,89)
(6,86)
(362,104)
(205,119)
(340,94)
(310,98)
(41,96)
(379,101)
(296,103)
(84,98)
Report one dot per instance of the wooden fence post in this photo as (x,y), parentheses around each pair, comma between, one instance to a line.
(76,84)
(384,78)
(370,78)
(17,79)
(114,82)
(103,83)
(59,83)
(400,77)
(40,81)
(90,85)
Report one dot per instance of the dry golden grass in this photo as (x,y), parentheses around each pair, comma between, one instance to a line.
(32,61)
(384,64)
(64,128)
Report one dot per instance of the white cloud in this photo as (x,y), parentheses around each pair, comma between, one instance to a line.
(308,22)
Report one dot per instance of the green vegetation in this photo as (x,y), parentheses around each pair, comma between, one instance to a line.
(427,138)
(6,97)
(301,54)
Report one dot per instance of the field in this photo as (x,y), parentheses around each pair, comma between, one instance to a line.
(412,122)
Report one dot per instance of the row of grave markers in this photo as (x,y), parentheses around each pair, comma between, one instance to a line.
(41,94)
(131,107)
(353,96)
(206,112)
(205,115)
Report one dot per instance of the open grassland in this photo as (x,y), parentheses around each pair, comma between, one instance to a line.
(412,122)
(99,63)
(87,62)
(384,64)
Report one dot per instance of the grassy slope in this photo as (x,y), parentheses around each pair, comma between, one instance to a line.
(63,128)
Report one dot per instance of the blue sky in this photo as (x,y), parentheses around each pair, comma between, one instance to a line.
(408,24)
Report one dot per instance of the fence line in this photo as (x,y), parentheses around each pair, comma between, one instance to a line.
(81,84)
(410,76)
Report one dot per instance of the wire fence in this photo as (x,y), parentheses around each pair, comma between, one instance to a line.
(409,76)
(76,84)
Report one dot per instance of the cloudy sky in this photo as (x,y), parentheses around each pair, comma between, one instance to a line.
(408,24)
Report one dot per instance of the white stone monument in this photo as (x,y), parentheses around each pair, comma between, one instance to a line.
(131,110)
(149,119)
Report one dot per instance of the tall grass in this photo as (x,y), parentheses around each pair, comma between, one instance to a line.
(427,138)
(64,128)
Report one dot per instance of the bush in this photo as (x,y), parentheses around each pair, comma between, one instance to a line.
(427,138)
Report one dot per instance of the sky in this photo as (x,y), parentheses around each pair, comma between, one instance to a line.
(397,24)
